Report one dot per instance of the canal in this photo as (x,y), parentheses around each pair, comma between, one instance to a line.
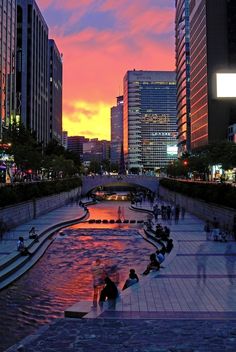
(63,275)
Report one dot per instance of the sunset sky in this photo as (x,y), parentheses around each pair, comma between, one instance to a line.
(101,40)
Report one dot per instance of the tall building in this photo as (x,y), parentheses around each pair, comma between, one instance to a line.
(55,92)
(212,56)
(75,145)
(116,130)
(95,150)
(149,120)
(7,63)
(32,69)
(65,139)
(182,55)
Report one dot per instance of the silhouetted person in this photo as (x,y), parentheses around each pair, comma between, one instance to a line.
(109,293)
(21,246)
(169,245)
(177,211)
(153,265)
(215,229)
(201,260)
(133,279)
(33,235)
(207,229)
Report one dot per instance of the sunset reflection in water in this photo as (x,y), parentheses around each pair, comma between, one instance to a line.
(63,275)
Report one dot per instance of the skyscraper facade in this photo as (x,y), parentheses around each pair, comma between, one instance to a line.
(7,62)
(95,150)
(116,130)
(55,92)
(32,69)
(149,120)
(182,55)
(212,52)
(75,145)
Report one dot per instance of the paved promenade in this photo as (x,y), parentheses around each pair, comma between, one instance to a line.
(66,213)
(188,306)
(12,264)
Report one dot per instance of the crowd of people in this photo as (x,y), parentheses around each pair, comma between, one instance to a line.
(169,212)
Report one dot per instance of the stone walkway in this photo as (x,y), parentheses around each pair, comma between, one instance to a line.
(42,223)
(188,306)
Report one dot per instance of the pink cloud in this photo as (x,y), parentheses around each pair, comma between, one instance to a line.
(96,60)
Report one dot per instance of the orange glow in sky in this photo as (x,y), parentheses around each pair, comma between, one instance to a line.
(100,41)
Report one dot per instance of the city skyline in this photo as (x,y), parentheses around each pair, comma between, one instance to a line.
(100,41)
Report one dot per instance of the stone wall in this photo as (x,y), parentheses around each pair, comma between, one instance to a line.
(15,215)
(201,209)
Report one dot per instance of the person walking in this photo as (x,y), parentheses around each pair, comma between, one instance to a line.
(215,229)
(207,229)
(119,213)
(177,211)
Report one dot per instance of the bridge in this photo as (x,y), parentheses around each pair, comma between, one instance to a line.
(90,182)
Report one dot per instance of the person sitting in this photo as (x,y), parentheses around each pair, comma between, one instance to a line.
(149,224)
(160,256)
(159,231)
(33,235)
(166,232)
(21,246)
(153,265)
(109,293)
(133,279)
(169,245)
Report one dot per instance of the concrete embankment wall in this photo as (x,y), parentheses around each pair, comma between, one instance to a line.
(202,209)
(15,215)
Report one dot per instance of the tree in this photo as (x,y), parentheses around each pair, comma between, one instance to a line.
(26,150)
(95,167)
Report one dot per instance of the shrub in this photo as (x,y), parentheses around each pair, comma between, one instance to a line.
(12,194)
(221,194)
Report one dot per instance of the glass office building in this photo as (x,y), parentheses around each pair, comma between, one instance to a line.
(32,69)
(182,34)
(55,92)
(150,141)
(7,63)
(212,52)
(116,130)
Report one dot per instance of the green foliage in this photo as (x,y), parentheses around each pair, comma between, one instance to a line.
(22,192)
(221,194)
(95,167)
(201,161)
(27,152)
(177,168)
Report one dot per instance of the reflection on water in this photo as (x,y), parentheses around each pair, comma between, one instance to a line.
(62,276)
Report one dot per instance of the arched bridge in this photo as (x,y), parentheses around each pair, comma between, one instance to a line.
(91,182)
